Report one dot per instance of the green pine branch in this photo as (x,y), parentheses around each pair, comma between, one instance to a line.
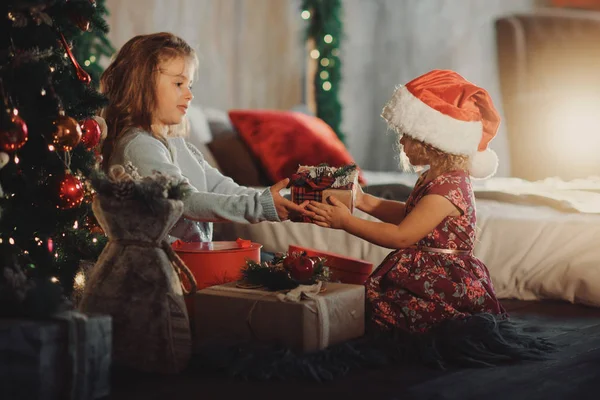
(326,28)
(92,47)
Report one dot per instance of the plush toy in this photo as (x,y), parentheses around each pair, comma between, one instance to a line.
(137,279)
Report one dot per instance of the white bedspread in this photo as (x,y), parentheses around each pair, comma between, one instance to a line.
(580,195)
(536,252)
(532,251)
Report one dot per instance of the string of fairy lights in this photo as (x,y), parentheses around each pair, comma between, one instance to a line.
(324,61)
(324,32)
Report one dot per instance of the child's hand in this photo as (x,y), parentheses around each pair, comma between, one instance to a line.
(329,216)
(285,207)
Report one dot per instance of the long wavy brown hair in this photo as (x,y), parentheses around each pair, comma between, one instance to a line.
(130,84)
(444,161)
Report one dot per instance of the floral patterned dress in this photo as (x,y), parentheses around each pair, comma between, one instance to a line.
(416,288)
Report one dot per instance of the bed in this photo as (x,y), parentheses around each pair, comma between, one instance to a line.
(539,240)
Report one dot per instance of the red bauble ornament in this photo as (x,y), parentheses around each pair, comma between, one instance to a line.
(71,192)
(288,262)
(67,133)
(15,136)
(91,133)
(302,268)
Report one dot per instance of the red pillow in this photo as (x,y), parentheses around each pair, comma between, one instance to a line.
(283,140)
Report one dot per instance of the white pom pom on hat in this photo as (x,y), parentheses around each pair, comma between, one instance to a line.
(483,164)
(445,110)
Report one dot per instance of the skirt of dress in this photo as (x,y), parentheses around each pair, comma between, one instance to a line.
(441,309)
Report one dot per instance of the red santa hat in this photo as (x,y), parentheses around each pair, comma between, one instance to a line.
(448,112)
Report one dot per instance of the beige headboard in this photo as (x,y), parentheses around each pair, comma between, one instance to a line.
(549,64)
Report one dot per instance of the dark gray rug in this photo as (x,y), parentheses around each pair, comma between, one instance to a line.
(573,372)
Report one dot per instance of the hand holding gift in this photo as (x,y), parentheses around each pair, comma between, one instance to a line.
(317,183)
(287,209)
(333,215)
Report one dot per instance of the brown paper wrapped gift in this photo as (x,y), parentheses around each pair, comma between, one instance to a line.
(229,315)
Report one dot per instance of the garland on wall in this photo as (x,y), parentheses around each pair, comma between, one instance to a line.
(323,37)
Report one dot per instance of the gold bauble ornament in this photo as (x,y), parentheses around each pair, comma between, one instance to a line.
(67,133)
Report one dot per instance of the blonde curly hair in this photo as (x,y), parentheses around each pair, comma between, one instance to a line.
(424,151)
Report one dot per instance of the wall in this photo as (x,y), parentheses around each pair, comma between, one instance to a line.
(252,54)
(251,51)
(390,42)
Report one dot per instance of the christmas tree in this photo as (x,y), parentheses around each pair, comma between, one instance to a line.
(48,138)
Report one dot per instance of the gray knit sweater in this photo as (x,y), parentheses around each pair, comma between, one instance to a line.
(213,197)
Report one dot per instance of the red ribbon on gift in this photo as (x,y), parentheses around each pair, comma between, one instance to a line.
(318,183)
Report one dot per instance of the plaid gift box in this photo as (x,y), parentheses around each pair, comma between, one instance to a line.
(319,182)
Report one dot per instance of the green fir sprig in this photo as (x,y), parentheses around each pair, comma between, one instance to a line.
(326,29)
(273,276)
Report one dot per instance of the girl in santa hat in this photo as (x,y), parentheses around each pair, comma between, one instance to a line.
(431,288)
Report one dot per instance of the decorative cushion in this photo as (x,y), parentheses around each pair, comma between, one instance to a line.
(283,140)
(218,122)
(236,161)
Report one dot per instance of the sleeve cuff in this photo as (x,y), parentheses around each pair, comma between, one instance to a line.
(266,201)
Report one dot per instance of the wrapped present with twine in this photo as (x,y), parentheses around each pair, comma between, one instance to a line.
(305,319)
(317,183)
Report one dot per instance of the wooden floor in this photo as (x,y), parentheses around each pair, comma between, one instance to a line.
(574,373)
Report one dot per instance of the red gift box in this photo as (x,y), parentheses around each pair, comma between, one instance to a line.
(215,263)
(317,183)
(341,268)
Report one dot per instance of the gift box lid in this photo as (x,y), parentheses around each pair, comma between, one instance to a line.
(337,261)
(239,245)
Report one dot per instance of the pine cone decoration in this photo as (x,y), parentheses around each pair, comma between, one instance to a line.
(124,189)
